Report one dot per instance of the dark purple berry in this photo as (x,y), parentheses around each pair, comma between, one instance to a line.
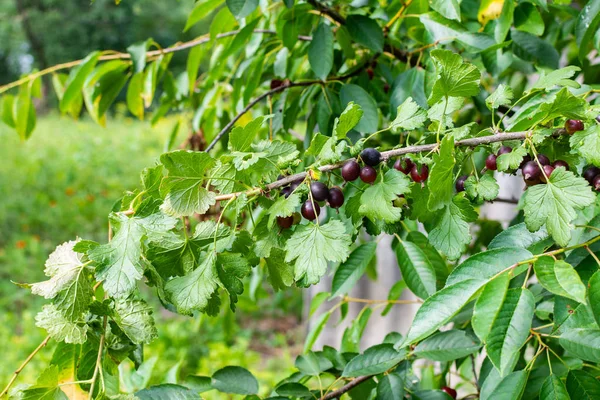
(490,162)
(596,183)
(350,170)
(531,171)
(368,174)
(371,157)
(336,197)
(386,87)
(548,169)
(294,186)
(573,125)
(598,118)
(275,83)
(286,191)
(308,211)
(419,175)
(560,163)
(504,150)
(526,159)
(451,392)
(403,165)
(460,183)
(590,173)
(543,159)
(285,222)
(319,191)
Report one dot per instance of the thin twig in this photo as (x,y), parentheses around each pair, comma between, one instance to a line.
(27,360)
(347,387)
(474,369)
(371,301)
(386,155)
(98,358)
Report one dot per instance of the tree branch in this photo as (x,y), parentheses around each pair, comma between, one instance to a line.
(386,155)
(111,55)
(347,387)
(27,360)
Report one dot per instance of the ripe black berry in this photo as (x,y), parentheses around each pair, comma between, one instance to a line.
(308,211)
(598,118)
(451,392)
(368,174)
(548,169)
(275,83)
(293,186)
(286,191)
(560,163)
(371,157)
(490,162)
(419,175)
(460,183)
(573,125)
(526,159)
(285,222)
(543,159)
(350,170)
(404,165)
(336,197)
(590,173)
(370,73)
(596,183)
(319,191)
(386,89)
(531,171)
(504,150)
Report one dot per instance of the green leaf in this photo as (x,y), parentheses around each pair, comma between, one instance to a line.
(512,160)
(201,10)
(283,207)
(441,180)
(135,102)
(365,31)
(391,387)
(312,364)
(45,388)
(502,96)
(488,305)
(553,388)
(312,245)
(417,271)
(554,204)
(582,343)
(586,27)
(450,233)
(281,274)
(241,8)
(167,391)
(24,112)
(119,263)
(448,8)
(6,112)
(134,317)
(440,308)
(409,84)
(518,236)
(511,387)
(137,51)
(349,272)
(320,51)
(587,143)
(315,330)
(370,118)
(69,284)
(293,389)
(558,77)
(232,268)
(102,87)
(510,329)
(347,120)
(240,138)
(409,116)
(59,327)
(193,62)
(235,380)
(594,296)
(182,188)
(486,188)
(433,257)
(531,48)
(192,292)
(242,38)
(374,360)
(582,385)
(446,346)
(455,78)
(199,383)
(76,80)
(376,200)
(560,278)
(529,19)
(487,264)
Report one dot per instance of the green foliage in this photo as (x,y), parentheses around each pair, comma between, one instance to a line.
(214,218)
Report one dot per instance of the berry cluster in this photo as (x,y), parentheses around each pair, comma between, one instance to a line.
(408,167)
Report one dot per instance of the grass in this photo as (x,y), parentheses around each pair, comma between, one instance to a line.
(62,183)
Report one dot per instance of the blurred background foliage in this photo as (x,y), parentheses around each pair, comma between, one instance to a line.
(65,181)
